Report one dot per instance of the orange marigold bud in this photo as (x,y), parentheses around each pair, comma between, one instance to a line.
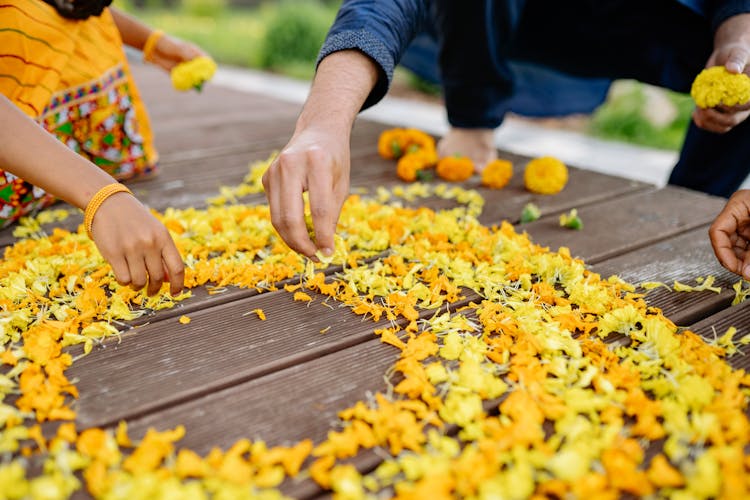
(408,166)
(392,143)
(497,174)
(545,175)
(418,139)
(455,168)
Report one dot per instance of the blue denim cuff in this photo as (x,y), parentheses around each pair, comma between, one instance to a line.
(369,45)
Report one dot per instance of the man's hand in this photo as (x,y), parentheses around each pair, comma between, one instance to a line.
(730,234)
(316,159)
(731,50)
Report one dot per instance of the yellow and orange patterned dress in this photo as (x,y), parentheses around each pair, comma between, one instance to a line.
(72,77)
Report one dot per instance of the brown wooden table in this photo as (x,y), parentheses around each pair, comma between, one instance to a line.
(225,378)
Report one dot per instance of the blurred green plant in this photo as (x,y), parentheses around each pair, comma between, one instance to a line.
(641,115)
(281,36)
(203,8)
(295,31)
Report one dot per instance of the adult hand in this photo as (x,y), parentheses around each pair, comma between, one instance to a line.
(137,246)
(316,161)
(476,143)
(170,51)
(731,50)
(730,234)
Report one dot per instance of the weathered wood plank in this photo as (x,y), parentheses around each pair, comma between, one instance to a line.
(716,325)
(221,347)
(682,258)
(624,224)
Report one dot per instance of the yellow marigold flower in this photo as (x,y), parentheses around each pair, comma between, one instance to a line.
(193,74)
(497,174)
(455,168)
(545,175)
(716,86)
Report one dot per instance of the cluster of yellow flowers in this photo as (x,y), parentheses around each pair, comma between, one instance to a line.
(193,74)
(716,86)
(552,381)
(416,154)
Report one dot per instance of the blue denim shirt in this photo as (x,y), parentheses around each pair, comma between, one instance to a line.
(479,42)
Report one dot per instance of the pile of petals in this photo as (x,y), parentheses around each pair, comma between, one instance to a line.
(521,373)
(416,157)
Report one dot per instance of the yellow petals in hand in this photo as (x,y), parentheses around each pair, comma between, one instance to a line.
(545,175)
(193,74)
(716,86)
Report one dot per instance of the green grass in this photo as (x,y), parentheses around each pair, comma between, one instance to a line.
(251,37)
(623,118)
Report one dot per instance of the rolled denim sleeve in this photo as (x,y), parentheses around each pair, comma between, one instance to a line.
(381,29)
(720,11)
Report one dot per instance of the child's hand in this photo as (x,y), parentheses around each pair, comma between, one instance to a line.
(169,51)
(137,246)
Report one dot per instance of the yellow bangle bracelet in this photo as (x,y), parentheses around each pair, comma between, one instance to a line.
(96,201)
(150,45)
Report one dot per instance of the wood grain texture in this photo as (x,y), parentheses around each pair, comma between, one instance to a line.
(716,325)
(612,228)
(682,258)
(222,346)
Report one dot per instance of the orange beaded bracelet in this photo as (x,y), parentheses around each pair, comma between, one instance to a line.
(151,41)
(96,201)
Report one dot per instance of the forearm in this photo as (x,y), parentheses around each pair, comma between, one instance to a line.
(733,30)
(382,30)
(342,83)
(35,156)
(134,33)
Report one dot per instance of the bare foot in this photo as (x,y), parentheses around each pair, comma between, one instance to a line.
(476,143)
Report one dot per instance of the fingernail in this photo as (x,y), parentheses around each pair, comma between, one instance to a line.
(746,272)
(734,67)
(327,252)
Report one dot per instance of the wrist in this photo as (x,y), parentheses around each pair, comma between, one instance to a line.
(97,200)
(341,85)
(150,44)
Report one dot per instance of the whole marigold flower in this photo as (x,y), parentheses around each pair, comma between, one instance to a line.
(497,174)
(716,86)
(455,168)
(397,142)
(193,74)
(416,139)
(392,143)
(545,175)
(408,166)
